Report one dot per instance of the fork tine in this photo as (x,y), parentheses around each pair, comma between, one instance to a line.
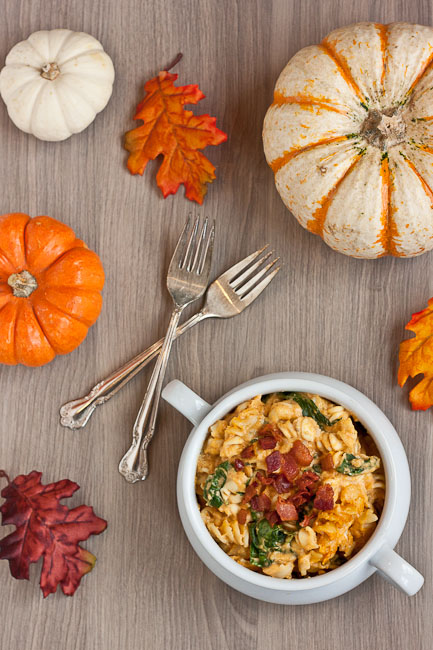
(190,247)
(241,279)
(234,270)
(205,260)
(199,247)
(252,295)
(243,290)
(179,251)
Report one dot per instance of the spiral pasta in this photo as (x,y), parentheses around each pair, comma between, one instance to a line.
(289,484)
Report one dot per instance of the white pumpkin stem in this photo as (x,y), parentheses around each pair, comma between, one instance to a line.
(50,71)
(384,129)
(23,284)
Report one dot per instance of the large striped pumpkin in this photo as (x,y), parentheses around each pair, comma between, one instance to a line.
(349,137)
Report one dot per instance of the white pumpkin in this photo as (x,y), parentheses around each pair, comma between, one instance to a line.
(349,137)
(55,83)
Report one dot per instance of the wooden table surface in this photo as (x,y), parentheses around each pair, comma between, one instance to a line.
(325,313)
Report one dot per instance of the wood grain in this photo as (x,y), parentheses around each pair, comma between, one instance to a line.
(325,313)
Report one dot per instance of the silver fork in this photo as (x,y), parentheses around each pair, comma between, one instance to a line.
(187,279)
(227,296)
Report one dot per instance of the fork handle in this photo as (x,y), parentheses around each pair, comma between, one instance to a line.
(134,466)
(77,413)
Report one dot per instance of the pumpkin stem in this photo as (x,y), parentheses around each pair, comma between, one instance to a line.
(50,71)
(384,129)
(23,284)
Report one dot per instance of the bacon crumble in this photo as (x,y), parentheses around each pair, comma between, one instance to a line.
(301,454)
(268,442)
(289,466)
(273,461)
(281,484)
(248,452)
(260,503)
(324,499)
(286,510)
(242,516)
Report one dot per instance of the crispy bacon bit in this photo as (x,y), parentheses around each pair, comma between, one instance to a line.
(270,429)
(250,491)
(268,442)
(300,498)
(307,520)
(238,464)
(324,498)
(307,481)
(301,453)
(260,503)
(272,517)
(254,503)
(281,484)
(327,463)
(264,480)
(242,516)
(248,452)
(286,510)
(289,466)
(306,485)
(273,461)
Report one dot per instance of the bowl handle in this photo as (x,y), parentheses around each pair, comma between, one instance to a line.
(184,400)
(397,571)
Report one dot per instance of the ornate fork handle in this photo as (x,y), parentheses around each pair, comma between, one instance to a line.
(134,465)
(77,413)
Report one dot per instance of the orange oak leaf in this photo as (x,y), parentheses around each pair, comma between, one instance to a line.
(416,358)
(177,134)
(46,529)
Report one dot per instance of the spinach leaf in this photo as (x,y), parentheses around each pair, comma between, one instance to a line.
(346,466)
(309,408)
(213,485)
(317,469)
(264,538)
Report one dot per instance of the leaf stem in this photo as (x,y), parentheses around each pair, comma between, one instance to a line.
(175,61)
(4,475)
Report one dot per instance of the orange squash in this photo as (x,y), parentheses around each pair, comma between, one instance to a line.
(50,289)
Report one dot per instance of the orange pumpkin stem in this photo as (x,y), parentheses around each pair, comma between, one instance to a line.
(23,284)
(50,71)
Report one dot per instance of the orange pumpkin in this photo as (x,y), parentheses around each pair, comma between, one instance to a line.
(50,289)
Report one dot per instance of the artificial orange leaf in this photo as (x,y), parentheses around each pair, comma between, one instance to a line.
(177,134)
(416,358)
(45,528)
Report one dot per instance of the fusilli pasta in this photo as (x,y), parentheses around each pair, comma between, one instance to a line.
(290,484)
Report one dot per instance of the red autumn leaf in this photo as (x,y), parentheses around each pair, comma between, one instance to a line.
(45,528)
(177,134)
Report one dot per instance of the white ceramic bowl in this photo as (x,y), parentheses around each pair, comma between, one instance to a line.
(377,554)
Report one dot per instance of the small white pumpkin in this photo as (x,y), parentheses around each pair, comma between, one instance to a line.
(55,83)
(349,138)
